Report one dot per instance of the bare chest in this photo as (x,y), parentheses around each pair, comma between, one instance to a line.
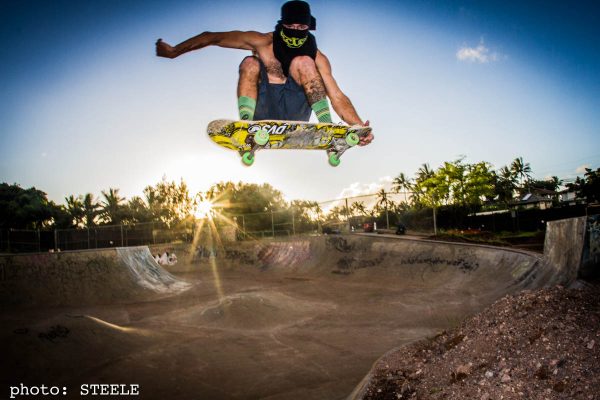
(272,65)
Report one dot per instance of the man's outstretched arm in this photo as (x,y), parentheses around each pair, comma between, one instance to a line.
(339,101)
(233,40)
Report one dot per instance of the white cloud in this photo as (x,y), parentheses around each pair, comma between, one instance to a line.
(581,169)
(480,54)
(359,189)
(368,190)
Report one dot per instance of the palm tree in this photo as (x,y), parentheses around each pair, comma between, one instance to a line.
(359,207)
(111,206)
(382,199)
(505,186)
(90,210)
(75,209)
(385,202)
(424,172)
(556,182)
(318,212)
(522,171)
(402,184)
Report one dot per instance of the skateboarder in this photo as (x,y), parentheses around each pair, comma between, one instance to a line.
(286,77)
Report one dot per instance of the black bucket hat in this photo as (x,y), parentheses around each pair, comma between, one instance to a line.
(297,12)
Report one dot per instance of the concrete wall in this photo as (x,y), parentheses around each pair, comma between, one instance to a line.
(82,277)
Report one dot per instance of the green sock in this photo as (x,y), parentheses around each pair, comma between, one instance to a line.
(321,109)
(246,106)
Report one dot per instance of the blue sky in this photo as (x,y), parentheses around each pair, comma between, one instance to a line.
(85,105)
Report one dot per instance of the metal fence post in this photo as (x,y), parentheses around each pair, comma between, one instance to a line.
(387,217)
(272,223)
(434,221)
(293,223)
(348,216)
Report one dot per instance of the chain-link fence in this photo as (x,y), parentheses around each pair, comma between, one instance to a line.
(27,241)
(382,212)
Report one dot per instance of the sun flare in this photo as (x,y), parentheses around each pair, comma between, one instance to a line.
(203,209)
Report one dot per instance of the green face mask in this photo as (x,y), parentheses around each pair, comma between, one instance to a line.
(293,38)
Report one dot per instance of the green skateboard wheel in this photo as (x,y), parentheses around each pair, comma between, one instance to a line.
(352,139)
(248,158)
(334,160)
(261,137)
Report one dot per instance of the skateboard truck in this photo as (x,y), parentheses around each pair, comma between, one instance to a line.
(334,154)
(260,139)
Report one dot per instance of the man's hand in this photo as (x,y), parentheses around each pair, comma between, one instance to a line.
(165,50)
(365,140)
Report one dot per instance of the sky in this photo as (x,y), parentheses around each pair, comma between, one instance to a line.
(85,105)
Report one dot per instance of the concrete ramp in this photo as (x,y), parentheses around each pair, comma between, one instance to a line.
(84,278)
(147,273)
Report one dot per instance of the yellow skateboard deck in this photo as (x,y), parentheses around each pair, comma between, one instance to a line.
(247,137)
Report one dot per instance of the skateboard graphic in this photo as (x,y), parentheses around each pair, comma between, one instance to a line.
(247,137)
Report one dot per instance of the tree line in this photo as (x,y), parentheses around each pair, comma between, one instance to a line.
(472,185)
(458,184)
(458,188)
(167,204)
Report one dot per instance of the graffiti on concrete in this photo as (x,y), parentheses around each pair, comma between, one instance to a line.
(591,251)
(55,332)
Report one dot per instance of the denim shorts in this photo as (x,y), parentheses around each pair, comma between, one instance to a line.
(284,101)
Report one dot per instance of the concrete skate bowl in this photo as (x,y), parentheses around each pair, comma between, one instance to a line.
(303,318)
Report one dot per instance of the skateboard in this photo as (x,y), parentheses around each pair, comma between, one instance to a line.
(247,137)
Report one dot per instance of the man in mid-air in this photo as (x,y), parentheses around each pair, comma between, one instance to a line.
(286,77)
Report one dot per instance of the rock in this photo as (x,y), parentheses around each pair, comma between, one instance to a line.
(560,386)
(505,378)
(461,372)
(542,372)
(591,344)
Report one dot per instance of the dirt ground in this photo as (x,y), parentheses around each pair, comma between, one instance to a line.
(534,345)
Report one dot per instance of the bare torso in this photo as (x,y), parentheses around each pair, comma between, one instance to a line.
(264,51)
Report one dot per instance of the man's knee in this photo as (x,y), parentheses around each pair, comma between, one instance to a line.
(302,63)
(250,65)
